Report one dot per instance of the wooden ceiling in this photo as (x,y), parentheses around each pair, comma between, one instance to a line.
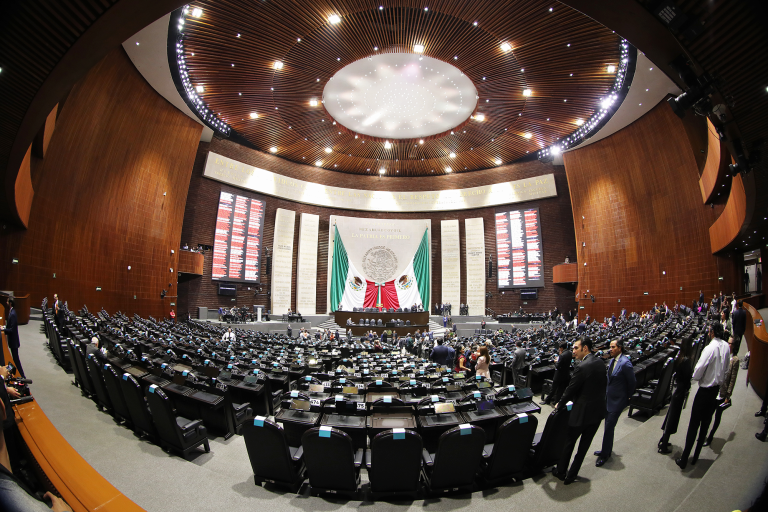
(232,47)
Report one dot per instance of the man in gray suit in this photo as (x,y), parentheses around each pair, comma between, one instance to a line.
(518,363)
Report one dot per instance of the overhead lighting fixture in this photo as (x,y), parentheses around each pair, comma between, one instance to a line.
(313,102)
(200,88)
(254,115)
(334,19)
(448,169)
(328,150)
(387,145)
(555,150)
(480,117)
(278,64)
(611,68)
(318,163)
(527,135)
(418,48)
(579,122)
(527,92)
(197,12)
(273,149)
(382,171)
(421,141)
(452,155)
(498,161)
(505,47)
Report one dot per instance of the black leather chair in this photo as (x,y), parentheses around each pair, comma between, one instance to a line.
(97,379)
(394,463)
(549,444)
(77,369)
(652,399)
(112,384)
(86,388)
(379,323)
(407,322)
(271,458)
(506,458)
(175,432)
(141,418)
(454,466)
(333,465)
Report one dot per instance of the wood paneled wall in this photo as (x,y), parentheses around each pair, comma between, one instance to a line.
(714,172)
(728,225)
(644,227)
(200,220)
(111,194)
(565,273)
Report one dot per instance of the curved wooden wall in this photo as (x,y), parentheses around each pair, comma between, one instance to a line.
(111,194)
(713,174)
(644,227)
(565,273)
(728,225)
(190,262)
(757,342)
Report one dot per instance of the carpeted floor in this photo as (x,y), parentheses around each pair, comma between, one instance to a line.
(729,475)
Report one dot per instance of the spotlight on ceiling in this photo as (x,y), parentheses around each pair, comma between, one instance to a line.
(328,150)
(452,155)
(480,117)
(254,115)
(334,19)
(418,48)
(318,163)
(527,135)
(555,150)
(448,169)
(200,88)
(611,68)
(527,92)
(278,64)
(273,149)
(505,47)
(382,171)
(197,12)
(498,161)
(387,145)
(313,102)
(579,122)
(421,141)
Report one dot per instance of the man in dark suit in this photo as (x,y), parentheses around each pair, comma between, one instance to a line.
(562,374)
(442,355)
(621,386)
(739,325)
(587,392)
(11,330)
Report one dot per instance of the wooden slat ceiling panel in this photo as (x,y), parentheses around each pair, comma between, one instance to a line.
(270,31)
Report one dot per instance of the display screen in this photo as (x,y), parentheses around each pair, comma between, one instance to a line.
(237,243)
(518,249)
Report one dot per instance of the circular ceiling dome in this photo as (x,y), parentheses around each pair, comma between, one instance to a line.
(400,96)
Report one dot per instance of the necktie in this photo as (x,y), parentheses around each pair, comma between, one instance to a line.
(610,368)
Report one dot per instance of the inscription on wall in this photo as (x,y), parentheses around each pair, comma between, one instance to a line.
(282,260)
(474,233)
(306,268)
(451,263)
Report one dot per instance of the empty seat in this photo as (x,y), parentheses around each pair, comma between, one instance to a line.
(332,463)
(86,388)
(141,419)
(97,379)
(112,385)
(549,444)
(175,432)
(394,463)
(507,457)
(652,399)
(272,460)
(457,460)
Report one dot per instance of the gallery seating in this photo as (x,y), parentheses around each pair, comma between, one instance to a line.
(272,459)
(394,463)
(141,419)
(175,432)
(457,460)
(653,398)
(333,465)
(507,457)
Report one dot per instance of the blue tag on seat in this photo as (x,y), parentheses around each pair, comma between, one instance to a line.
(125,376)
(342,381)
(152,388)
(398,433)
(255,372)
(229,366)
(569,405)
(258,421)
(522,417)
(184,373)
(307,378)
(325,431)
(476,394)
(378,383)
(478,377)
(413,382)
(445,379)
(435,398)
(466,429)
(387,399)
(294,394)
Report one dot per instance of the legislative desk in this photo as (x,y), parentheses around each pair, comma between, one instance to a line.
(81,486)
(757,342)
(419,320)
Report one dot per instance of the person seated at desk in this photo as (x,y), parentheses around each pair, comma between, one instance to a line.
(349,321)
(93,348)
(228,336)
(341,307)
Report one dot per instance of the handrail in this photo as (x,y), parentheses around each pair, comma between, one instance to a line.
(757,342)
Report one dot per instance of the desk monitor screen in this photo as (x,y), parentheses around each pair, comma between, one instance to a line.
(452,387)
(136,372)
(250,379)
(316,388)
(301,405)
(483,385)
(404,378)
(442,408)
(484,406)
(459,376)
(393,423)
(349,390)
(224,375)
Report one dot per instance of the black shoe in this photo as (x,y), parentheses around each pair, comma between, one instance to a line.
(600,462)
(665,449)
(759,413)
(598,453)
(559,476)
(544,403)
(707,442)
(569,479)
(760,436)
(681,463)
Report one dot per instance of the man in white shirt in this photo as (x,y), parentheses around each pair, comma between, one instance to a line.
(228,336)
(710,372)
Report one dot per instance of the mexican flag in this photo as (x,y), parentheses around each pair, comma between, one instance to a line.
(350,289)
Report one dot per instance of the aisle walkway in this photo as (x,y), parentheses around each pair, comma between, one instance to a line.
(728,476)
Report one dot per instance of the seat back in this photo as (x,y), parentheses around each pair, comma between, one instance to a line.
(665,382)
(137,405)
(80,362)
(458,457)
(112,385)
(513,444)
(163,416)
(75,367)
(396,462)
(553,438)
(330,459)
(97,379)
(268,451)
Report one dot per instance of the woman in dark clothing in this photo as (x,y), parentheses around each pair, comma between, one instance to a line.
(682,379)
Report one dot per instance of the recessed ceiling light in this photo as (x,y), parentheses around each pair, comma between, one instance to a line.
(382,171)
(273,149)
(555,150)
(238,35)
(568,45)
(137,43)
(418,48)
(278,64)
(298,40)
(200,88)
(550,9)
(375,48)
(313,102)
(505,47)
(527,135)
(197,12)
(448,169)
(650,69)
(452,155)
(328,150)
(611,68)
(381,7)
(318,163)
(480,117)
(254,115)
(475,23)
(522,70)
(527,92)
(579,122)
(334,19)
(455,57)
(498,161)
(421,141)
(387,144)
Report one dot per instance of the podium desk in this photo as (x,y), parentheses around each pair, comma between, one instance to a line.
(389,418)
(488,419)
(295,423)
(354,426)
(253,393)
(522,407)
(432,426)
